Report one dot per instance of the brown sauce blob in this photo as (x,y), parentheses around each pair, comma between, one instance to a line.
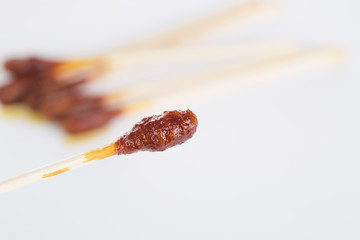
(158,132)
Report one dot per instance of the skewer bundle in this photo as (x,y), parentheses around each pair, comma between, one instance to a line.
(55,88)
(34,84)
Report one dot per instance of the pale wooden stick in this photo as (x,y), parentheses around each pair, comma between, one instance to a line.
(176,54)
(238,77)
(102,63)
(217,78)
(200,53)
(164,45)
(209,23)
(56,168)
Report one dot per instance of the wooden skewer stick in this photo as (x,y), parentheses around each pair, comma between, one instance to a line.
(171,38)
(200,53)
(175,54)
(200,85)
(200,27)
(216,79)
(56,168)
(95,66)
(155,133)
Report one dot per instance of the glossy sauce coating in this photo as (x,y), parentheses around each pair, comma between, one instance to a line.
(158,132)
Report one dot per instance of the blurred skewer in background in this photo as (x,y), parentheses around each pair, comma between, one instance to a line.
(35,76)
(200,85)
(59,99)
(55,88)
(98,65)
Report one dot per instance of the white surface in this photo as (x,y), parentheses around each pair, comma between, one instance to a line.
(277,160)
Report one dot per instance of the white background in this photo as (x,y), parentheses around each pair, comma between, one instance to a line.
(276,160)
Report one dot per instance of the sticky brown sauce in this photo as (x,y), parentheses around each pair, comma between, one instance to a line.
(158,132)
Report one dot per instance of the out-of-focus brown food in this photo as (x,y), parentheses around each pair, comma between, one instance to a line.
(20,87)
(48,92)
(29,66)
(70,105)
(88,120)
(158,132)
(15,91)
(35,82)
